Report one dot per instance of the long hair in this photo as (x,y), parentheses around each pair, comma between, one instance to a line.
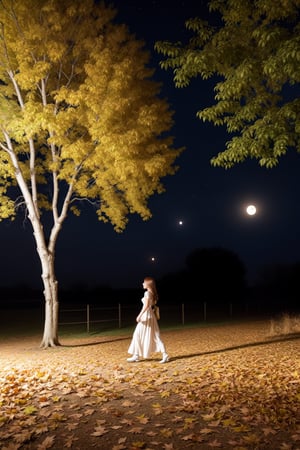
(152,288)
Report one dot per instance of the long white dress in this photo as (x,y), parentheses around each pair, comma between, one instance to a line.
(146,337)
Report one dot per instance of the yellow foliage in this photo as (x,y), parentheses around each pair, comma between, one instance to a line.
(78,107)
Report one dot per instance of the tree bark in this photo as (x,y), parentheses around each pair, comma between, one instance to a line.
(50,336)
(47,257)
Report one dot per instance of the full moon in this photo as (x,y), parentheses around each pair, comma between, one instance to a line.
(251,210)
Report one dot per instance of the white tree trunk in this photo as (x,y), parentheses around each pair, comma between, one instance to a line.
(47,257)
(46,254)
(50,336)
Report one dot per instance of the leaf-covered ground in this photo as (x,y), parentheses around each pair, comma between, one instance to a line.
(227,387)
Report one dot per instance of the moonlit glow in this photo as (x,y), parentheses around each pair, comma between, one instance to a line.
(251,210)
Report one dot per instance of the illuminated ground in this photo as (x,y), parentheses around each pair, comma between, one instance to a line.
(225,387)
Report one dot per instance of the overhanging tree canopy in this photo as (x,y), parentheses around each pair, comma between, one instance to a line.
(80,118)
(255,56)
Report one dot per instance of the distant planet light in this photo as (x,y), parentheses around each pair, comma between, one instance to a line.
(152,259)
(251,210)
(180,222)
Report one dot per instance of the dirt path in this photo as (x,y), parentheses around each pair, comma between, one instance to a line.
(225,387)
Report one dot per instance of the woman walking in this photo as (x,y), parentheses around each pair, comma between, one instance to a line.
(146,337)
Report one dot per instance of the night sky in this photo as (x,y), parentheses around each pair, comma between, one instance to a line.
(209,201)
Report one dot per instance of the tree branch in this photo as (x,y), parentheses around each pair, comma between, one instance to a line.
(33,177)
(3,146)
(17,89)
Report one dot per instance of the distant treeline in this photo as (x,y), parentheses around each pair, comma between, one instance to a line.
(212,275)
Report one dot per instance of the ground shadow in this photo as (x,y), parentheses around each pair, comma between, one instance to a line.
(270,341)
(103,341)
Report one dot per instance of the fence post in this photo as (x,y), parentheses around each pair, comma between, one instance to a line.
(204,311)
(120,319)
(182,313)
(87,318)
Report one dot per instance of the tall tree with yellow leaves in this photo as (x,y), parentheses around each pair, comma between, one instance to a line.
(80,119)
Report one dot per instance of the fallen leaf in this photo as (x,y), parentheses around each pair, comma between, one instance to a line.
(47,443)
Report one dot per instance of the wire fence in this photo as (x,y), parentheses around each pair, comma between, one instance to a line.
(119,316)
(88,317)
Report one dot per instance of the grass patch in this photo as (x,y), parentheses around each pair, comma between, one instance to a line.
(284,325)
